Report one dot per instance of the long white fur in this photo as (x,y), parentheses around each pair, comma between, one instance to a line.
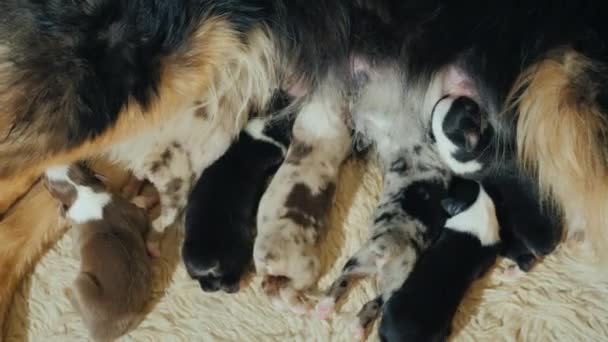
(88,205)
(478,220)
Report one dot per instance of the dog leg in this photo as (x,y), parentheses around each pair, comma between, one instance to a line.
(365,317)
(364,263)
(404,223)
(296,205)
(171,173)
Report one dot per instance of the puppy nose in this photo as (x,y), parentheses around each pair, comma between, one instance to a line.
(232,288)
(209,285)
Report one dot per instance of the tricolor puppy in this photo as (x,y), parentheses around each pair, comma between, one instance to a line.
(113,285)
(465,142)
(222,208)
(423,308)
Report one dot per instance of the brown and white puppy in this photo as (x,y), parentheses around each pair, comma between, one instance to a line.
(294,209)
(114,282)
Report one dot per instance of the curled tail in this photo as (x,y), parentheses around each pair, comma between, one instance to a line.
(562,137)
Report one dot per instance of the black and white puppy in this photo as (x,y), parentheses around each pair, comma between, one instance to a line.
(423,308)
(529,228)
(222,208)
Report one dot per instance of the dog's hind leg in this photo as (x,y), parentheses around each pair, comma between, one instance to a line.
(171,173)
(363,263)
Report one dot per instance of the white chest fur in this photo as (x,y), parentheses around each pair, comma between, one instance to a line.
(88,205)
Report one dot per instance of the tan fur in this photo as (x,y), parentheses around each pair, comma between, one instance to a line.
(174,154)
(111,300)
(216,62)
(24,235)
(114,282)
(12,190)
(561,137)
(210,69)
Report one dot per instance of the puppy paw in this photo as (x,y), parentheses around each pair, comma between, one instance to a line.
(132,187)
(303,308)
(146,202)
(357,331)
(153,247)
(513,272)
(324,308)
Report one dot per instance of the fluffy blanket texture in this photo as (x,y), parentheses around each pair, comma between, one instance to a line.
(563,299)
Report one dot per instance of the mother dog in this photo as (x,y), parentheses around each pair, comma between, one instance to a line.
(78,77)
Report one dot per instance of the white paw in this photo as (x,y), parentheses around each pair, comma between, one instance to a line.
(278,304)
(324,308)
(513,272)
(301,308)
(357,330)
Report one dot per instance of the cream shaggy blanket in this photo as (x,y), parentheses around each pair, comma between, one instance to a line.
(563,299)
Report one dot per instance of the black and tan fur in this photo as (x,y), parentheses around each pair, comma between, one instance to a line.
(76,78)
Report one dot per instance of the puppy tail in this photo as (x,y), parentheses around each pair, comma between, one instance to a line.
(562,136)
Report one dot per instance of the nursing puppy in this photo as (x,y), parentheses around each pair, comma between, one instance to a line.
(114,281)
(529,228)
(409,215)
(78,77)
(222,207)
(294,210)
(423,308)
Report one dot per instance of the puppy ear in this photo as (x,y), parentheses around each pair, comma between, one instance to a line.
(471,139)
(453,206)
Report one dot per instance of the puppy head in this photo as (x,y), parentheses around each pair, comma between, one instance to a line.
(472,211)
(462,134)
(220,267)
(62,191)
(62,182)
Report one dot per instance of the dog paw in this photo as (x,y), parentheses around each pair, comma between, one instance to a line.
(303,308)
(513,272)
(132,187)
(153,247)
(324,308)
(357,330)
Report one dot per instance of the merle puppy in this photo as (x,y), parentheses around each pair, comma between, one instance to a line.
(529,228)
(423,308)
(222,208)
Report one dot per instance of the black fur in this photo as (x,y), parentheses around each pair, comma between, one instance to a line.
(423,308)
(89,58)
(529,228)
(466,125)
(222,208)
(421,200)
(74,66)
